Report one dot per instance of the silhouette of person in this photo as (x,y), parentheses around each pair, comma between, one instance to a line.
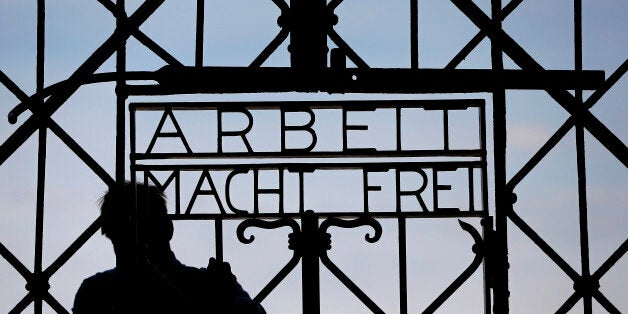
(148,278)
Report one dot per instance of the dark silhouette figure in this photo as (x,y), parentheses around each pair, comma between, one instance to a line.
(148,278)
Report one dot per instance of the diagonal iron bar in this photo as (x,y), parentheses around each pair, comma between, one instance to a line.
(562,97)
(140,36)
(54,304)
(614,258)
(465,275)
(282,5)
(605,303)
(15,262)
(333,4)
(281,275)
(69,141)
(73,248)
(99,56)
(546,248)
(81,153)
(25,302)
(350,284)
(569,303)
(272,46)
(612,79)
(541,153)
(351,54)
(475,41)
(11,86)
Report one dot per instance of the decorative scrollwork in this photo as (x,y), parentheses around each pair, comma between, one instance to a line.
(478,246)
(264,224)
(478,249)
(358,222)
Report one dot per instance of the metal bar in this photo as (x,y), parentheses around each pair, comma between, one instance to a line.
(270,48)
(81,153)
(569,303)
(156,48)
(581,160)
(219,240)
(308,35)
(54,304)
(200,30)
(614,258)
(403,271)
(351,54)
(273,283)
(449,291)
(182,80)
(120,156)
(24,302)
(610,82)
(140,36)
(605,303)
(427,104)
(350,285)
(100,55)
(12,87)
(333,4)
(477,39)
(414,34)
(315,154)
(541,153)
(15,262)
(41,158)
(310,269)
(73,248)
(560,262)
(370,166)
(502,195)
(612,143)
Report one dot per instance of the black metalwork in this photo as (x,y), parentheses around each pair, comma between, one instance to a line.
(309,25)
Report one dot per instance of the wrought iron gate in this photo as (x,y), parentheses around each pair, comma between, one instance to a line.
(309,26)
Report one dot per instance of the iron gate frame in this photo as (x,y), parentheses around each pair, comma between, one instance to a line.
(48,99)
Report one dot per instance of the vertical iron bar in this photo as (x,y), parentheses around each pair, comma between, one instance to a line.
(200,31)
(219,244)
(502,195)
(308,35)
(487,232)
(581,160)
(414,34)
(403,273)
(120,97)
(310,268)
(445,129)
(41,160)
(488,222)
(398,128)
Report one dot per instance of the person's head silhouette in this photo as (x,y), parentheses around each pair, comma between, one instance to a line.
(148,278)
(135,219)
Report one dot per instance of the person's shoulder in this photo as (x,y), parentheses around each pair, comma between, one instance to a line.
(101,280)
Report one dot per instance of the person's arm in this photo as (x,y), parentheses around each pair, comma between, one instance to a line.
(224,278)
(88,300)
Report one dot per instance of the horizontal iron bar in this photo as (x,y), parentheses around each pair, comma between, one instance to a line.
(340,214)
(353,153)
(192,80)
(316,166)
(427,104)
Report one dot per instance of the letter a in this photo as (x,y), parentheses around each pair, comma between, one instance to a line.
(159,133)
(198,191)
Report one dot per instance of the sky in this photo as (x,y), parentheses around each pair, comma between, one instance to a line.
(235,32)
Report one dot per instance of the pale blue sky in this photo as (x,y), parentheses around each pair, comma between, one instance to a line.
(236,30)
